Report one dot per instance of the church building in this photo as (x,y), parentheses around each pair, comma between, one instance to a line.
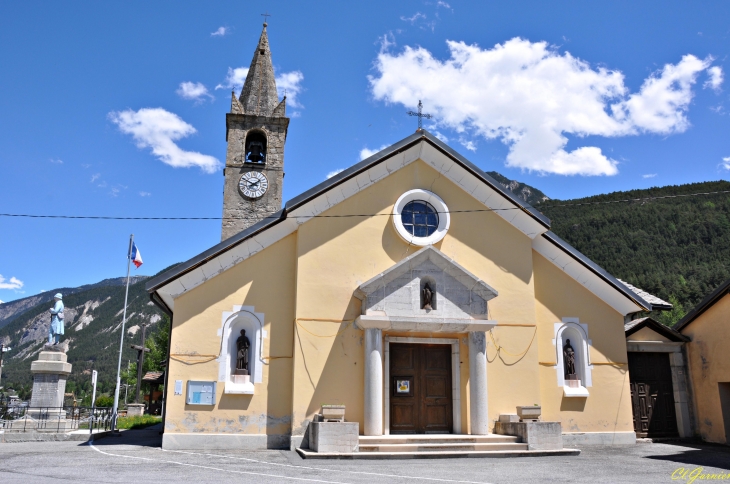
(411,287)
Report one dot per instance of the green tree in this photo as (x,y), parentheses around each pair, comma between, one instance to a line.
(670,318)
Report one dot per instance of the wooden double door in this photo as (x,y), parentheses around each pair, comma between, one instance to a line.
(420,389)
(652,395)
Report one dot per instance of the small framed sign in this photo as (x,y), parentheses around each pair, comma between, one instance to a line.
(403,386)
(201,393)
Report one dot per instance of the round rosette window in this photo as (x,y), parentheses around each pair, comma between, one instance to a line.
(420,217)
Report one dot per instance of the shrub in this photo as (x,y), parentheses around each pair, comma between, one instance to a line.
(104,401)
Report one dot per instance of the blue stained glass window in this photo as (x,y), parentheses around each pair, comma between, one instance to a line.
(419,218)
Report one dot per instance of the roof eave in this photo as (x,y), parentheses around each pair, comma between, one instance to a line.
(704,305)
(158,281)
(658,327)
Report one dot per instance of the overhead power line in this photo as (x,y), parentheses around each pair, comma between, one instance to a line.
(578,204)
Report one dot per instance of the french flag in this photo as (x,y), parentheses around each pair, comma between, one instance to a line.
(136,256)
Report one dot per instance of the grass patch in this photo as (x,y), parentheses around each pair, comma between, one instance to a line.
(137,422)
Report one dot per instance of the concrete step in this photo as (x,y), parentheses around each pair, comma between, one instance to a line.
(436,439)
(442,447)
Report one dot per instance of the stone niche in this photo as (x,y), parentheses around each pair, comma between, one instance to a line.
(232,322)
(397,292)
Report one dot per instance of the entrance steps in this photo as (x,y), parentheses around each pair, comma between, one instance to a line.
(437,446)
(439,443)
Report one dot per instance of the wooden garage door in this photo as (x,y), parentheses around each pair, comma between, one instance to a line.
(652,395)
(420,395)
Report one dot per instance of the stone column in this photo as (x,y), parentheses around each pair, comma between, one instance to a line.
(479,417)
(373,382)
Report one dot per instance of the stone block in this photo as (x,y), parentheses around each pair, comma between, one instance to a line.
(509,417)
(53,367)
(334,437)
(537,435)
(135,409)
(531,412)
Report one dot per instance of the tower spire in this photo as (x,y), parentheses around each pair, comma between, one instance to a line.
(258,95)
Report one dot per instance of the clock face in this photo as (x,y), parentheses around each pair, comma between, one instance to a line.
(253,184)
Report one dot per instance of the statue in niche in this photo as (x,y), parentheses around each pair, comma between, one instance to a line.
(242,346)
(427,294)
(569,361)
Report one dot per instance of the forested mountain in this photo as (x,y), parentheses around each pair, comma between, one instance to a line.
(676,248)
(531,195)
(93,321)
(12,309)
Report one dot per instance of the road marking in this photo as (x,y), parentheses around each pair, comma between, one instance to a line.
(325,469)
(212,468)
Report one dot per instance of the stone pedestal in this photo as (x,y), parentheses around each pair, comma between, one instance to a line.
(537,435)
(337,437)
(50,372)
(45,412)
(135,409)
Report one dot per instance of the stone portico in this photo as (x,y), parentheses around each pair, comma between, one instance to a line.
(391,304)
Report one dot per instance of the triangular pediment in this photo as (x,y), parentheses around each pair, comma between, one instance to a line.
(397,292)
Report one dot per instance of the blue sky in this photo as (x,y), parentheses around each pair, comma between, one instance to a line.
(575,98)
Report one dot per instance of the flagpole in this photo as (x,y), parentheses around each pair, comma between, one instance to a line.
(121,339)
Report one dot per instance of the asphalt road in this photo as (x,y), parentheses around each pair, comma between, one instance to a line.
(137,458)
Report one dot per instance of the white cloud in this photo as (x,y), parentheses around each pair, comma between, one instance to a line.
(56,161)
(13,283)
(220,32)
(114,191)
(440,136)
(529,96)
(158,130)
(234,79)
(367,152)
(193,90)
(715,79)
(289,83)
(468,144)
(441,3)
(414,18)
(2,302)
(649,175)
(95,177)
(726,163)
(145,194)
(334,172)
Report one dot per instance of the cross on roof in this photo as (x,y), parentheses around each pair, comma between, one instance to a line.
(420,115)
(266,17)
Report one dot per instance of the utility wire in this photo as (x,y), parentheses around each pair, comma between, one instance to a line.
(103,217)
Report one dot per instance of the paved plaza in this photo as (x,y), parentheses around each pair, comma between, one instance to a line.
(136,457)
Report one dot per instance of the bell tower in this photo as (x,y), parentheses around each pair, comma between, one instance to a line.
(256,132)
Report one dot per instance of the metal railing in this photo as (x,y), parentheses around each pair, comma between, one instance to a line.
(21,418)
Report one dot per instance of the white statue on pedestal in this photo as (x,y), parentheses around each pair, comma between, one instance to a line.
(57,328)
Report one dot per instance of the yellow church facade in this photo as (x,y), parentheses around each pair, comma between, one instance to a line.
(331,293)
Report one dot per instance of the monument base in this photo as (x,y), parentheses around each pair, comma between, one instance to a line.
(41,425)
